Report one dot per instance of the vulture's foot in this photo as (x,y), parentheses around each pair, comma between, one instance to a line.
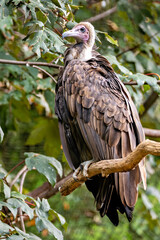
(82,168)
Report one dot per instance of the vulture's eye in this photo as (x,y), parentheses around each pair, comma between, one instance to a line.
(82,29)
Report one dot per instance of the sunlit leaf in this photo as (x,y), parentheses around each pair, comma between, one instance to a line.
(5,228)
(26,235)
(43,223)
(17,203)
(7,190)
(109,38)
(15,237)
(112,59)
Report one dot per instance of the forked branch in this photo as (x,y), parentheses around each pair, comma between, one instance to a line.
(106,167)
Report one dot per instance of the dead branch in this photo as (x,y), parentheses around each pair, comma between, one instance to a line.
(106,167)
(102,15)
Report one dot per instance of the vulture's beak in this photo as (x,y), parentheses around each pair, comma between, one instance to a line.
(70,33)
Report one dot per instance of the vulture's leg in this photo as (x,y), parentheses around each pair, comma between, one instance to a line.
(83,168)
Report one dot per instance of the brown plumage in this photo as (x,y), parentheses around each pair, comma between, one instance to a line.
(98,120)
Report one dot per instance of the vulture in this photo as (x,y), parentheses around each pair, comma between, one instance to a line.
(98,121)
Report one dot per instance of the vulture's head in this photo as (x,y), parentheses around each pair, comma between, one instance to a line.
(82,32)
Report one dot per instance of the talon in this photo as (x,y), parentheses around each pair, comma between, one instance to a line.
(82,168)
(75,174)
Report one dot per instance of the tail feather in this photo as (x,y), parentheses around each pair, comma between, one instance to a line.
(107,199)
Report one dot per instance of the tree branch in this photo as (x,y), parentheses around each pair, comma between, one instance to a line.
(132,83)
(106,167)
(46,190)
(41,69)
(29,64)
(149,102)
(155,133)
(20,210)
(102,15)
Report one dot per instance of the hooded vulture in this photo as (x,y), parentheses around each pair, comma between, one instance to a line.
(98,120)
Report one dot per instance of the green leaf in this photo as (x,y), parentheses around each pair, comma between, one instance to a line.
(43,223)
(21,196)
(6,23)
(1,134)
(70,24)
(15,237)
(131,57)
(7,190)
(61,219)
(108,37)
(26,235)
(141,79)
(10,207)
(112,59)
(4,190)
(45,165)
(2,175)
(56,41)
(17,203)
(45,205)
(5,228)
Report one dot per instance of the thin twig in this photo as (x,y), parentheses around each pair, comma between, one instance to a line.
(22,181)
(102,15)
(29,57)
(20,190)
(18,175)
(27,64)
(14,168)
(45,73)
(133,83)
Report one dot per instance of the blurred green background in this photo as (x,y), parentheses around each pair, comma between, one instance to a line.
(31,31)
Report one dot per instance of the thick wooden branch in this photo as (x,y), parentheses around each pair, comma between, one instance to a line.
(106,167)
(47,190)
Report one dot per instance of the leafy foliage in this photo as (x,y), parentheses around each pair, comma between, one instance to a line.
(31,30)
(41,212)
